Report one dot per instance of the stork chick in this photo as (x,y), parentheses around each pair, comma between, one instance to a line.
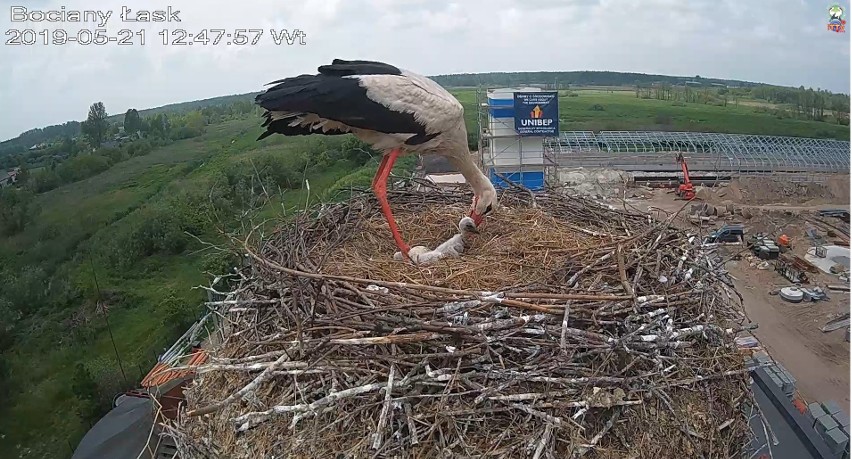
(452,247)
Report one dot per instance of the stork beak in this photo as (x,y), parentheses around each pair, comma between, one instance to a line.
(474,215)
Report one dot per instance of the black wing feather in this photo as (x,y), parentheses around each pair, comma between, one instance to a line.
(330,96)
(282,126)
(339,67)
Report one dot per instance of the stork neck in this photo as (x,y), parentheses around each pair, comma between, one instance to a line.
(471,172)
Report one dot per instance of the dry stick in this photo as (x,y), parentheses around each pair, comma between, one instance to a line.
(622,273)
(266,374)
(563,338)
(409,419)
(383,417)
(545,439)
(429,288)
(567,296)
(392,339)
(564,335)
(592,444)
(244,421)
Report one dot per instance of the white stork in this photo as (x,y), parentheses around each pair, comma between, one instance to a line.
(389,108)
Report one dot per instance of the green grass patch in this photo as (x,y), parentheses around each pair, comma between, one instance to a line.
(597,110)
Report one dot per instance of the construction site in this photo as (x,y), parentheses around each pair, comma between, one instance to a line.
(637,294)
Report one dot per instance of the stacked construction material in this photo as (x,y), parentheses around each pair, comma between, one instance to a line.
(832,424)
(783,379)
(566,329)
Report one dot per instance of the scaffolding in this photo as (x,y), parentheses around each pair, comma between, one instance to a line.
(501,150)
(732,153)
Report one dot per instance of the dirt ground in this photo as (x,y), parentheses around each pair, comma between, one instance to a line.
(788,331)
(765,190)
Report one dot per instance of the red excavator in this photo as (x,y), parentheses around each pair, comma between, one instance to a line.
(685,191)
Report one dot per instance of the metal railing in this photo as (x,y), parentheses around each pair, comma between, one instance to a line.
(707,151)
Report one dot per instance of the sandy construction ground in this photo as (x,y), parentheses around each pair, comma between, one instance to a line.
(790,332)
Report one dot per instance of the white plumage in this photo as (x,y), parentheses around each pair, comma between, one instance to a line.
(451,248)
(389,108)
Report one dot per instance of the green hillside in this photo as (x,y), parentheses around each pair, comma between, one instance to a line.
(123,231)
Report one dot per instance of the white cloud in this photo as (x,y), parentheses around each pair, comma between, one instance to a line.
(768,41)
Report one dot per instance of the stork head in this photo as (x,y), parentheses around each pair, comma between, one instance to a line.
(467,226)
(483,204)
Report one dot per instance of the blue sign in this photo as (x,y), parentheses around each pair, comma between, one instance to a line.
(537,113)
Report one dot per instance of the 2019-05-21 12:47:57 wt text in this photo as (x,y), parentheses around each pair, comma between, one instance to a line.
(166,37)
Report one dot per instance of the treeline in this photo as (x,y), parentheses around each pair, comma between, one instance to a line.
(708,95)
(161,229)
(102,143)
(19,146)
(39,135)
(182,107)
(807,103)
(586,78)
(801,103)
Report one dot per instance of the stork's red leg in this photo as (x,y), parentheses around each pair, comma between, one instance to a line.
(380,188)
(382,165)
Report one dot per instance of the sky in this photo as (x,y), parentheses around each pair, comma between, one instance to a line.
(781,42)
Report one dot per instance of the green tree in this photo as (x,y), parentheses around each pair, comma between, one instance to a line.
(95,127)
(132,121)
(195,121)
(85,388)
(158,124)
(23,175)
(16,210)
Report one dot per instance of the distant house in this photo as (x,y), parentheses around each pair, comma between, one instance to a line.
(9,177)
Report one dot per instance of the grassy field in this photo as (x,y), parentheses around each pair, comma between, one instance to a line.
(597,109)
(150,294)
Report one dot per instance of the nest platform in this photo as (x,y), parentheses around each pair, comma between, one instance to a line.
(566,329)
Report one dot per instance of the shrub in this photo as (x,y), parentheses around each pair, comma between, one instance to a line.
(177,313)
(182,133)
(219,263)
(139,148)
(113,154)
(82,167)
(16,210)
(663,119)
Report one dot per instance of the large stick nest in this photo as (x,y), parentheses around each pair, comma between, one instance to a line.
(566,329)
